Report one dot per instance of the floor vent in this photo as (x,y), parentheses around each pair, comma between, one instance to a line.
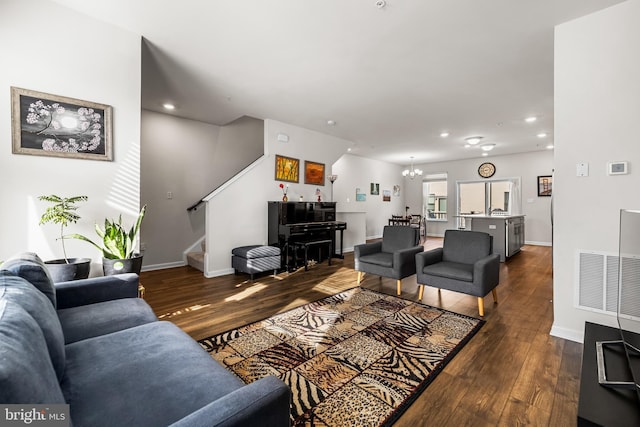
(597,288)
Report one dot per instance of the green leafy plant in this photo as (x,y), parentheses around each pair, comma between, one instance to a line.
(117,242)
(62,211)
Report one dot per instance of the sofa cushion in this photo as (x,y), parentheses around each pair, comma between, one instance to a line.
(149,375)
(395,238)
(87,321)
(26,372)
(450,270)
(255,251)
(29,266)
(466,247)
(382,259)
(34,302)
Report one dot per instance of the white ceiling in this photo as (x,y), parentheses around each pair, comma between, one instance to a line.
(392,78)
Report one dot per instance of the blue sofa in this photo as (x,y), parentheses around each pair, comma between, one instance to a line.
(94,345)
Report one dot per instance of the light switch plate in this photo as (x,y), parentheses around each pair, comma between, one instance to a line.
(582,169)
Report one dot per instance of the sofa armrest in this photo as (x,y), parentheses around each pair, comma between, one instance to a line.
(486,272)
(367,249)
(96,289)
(405,260)
(364,249)
(264,403)
(427,258)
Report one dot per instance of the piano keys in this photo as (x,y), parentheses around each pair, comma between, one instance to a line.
(293,223)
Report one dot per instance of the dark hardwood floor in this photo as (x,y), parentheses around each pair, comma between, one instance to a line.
(511,373)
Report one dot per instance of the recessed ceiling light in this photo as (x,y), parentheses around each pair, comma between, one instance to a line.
(473,140)
(349,149)
(550,147)
(168,106)
(467,146)
(542,135)
(485,154)
(444,134)
(488,147)
(531,119)
(331,122)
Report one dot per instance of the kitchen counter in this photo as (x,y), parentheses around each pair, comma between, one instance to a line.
(490,216)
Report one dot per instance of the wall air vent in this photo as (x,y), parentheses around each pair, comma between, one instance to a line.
(597,282)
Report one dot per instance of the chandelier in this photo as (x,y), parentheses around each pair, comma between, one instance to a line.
(413,172)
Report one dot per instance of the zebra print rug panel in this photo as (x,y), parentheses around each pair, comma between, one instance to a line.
(357,358)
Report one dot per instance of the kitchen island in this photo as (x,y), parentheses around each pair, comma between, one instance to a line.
(507,231)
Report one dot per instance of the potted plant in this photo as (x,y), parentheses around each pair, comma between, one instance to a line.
(118,245)
(63,212)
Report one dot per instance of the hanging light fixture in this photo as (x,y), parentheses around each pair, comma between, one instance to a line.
(413,172)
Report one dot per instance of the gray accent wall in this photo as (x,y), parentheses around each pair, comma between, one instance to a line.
(188,159)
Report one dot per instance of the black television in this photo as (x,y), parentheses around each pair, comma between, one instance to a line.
(628,307)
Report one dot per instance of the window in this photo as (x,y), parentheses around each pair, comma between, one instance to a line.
(494,197)
(434,197)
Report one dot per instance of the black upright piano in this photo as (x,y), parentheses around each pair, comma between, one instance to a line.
(292,223)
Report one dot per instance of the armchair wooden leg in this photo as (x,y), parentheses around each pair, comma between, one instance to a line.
(481,306)
(360,275)
(420,292)
(495,295)
(399,285)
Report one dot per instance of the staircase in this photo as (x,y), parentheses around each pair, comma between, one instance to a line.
(196,259)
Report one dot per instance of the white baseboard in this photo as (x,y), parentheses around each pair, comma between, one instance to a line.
(534,243)
(217,273)
(166,265)
(567,334)
(435,235)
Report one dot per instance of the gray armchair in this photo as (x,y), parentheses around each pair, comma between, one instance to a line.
(464,264)
(393,257)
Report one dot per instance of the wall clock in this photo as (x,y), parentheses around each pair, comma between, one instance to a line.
(486,170)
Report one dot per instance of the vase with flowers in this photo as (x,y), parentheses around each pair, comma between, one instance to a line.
(284,189)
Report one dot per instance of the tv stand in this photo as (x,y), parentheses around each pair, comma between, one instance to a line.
(599,405)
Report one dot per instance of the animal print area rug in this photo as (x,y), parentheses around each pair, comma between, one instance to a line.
(358,358)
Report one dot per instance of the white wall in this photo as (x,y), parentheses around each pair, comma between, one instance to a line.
(359,172)
(237,215)
(527,167)
(49,48)
(597,119)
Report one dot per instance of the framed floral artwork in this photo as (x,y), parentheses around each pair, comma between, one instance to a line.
(313,173)
(287,169)
(43,124)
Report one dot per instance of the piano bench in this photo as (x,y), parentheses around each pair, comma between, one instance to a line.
(255,259)
(305,245)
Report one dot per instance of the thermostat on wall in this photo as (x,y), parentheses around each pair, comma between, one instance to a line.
(617,168)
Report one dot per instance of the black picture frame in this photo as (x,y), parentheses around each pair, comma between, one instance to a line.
(545,185)
(313,173)
(375,189)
